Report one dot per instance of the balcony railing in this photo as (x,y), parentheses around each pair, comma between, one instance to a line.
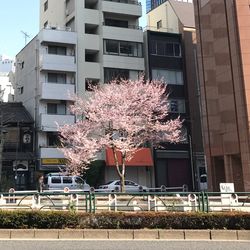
(125,1)
(134,27)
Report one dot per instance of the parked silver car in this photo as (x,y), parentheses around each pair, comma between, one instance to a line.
(58,181)
(130,186)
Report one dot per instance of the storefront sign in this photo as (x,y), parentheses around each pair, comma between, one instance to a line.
(53,161)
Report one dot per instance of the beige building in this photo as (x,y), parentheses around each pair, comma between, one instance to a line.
(223,28)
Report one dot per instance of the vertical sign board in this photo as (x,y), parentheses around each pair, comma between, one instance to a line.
(226,189)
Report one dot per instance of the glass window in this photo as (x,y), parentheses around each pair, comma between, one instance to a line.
(51,108)
(56,180)
(53,139)
(112,47)
(79,180)
(169,49)
(169,76)
(177,50)
(67,180)
(176,105)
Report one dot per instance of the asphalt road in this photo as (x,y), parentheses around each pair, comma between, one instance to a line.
(121,245)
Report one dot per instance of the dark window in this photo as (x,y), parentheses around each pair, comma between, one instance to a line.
(52,108)
(112,47)
(111,74)
(67,180)
(79,180)
(116,23)
(56,78)
(53,139)
(159,24)
(56,180)
(123,48)
(57,50)
(162,48)
(57,108)
(45,6)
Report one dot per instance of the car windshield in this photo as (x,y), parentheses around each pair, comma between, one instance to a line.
(108,182)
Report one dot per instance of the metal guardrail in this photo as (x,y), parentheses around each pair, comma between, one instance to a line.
(94,202)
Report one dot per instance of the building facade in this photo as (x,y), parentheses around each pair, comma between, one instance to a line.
(170,42)
(17,148)
(81,43)
(45,82)
(223,28)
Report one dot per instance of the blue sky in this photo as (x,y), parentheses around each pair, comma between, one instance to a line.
(23,15)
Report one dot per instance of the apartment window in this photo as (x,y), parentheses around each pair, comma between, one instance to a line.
(111,74)
(53,139)
(162,48)
(45,6)
(116,23)
(56,78)
(123,48)
(20,90)
(174,77)
(57,50)
(56,108)
(90,83)
(159,24)
(176,106)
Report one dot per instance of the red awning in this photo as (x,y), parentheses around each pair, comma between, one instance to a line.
(142,158)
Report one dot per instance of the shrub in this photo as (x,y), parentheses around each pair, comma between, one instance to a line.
(151,220)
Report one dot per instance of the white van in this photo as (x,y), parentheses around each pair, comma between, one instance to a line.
(58,181)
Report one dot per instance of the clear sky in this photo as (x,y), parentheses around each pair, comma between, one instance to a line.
(23,15)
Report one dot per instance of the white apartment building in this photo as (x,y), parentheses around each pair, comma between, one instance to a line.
(109,39)
(81,42)
(45,82)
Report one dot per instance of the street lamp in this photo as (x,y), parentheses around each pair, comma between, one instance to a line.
(2,139)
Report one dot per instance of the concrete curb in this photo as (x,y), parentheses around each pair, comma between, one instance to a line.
(138,234)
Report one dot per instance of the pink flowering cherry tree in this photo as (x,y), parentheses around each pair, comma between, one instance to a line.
(122,115)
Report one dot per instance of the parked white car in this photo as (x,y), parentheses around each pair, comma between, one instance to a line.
(58,181)
(130,186)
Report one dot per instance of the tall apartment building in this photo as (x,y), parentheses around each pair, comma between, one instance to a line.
(109,39)
(81,42)
(223,28)
(170,42)
(45,82)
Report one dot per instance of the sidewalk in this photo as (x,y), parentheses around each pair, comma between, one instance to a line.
(140,234)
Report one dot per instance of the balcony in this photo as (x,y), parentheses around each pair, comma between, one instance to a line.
(91,16)
(57,35)
(57,62)
(56,91)
(92,42)
(123,62)
(123,7)
(51,153)
(50,122)
(92,70)
(132,33)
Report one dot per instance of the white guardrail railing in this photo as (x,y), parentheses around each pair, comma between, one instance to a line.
(142,201)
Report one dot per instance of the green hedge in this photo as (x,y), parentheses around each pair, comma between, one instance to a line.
(60,220)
